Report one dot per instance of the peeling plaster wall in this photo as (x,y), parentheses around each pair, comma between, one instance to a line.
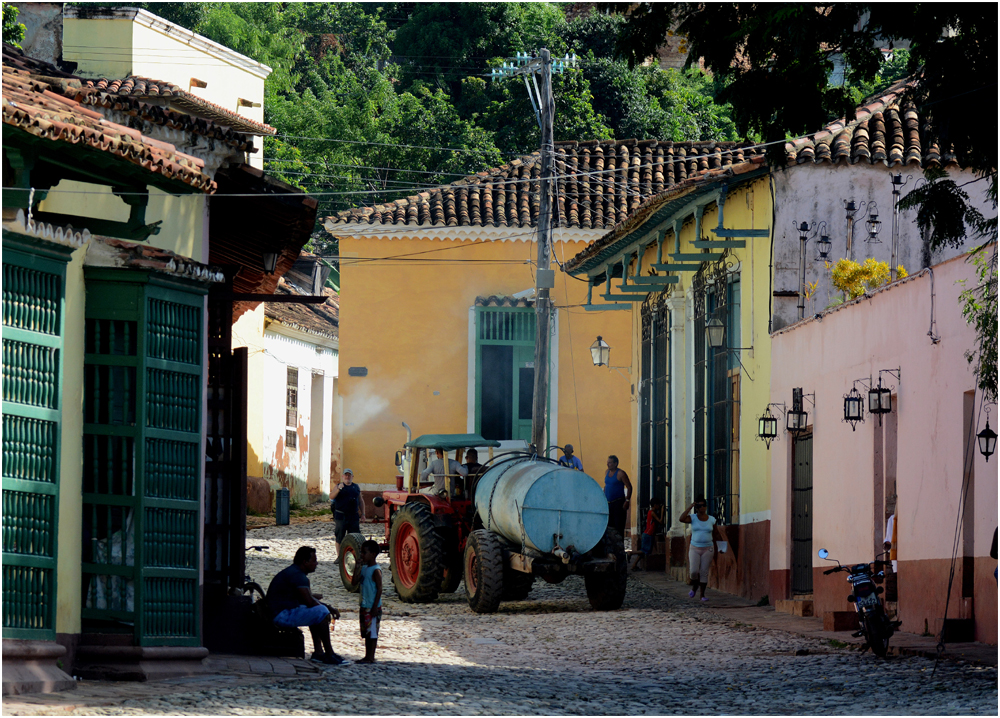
(816,193)
(281,465)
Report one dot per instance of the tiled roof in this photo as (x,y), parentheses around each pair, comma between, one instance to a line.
(111,252)
(72,87)
(600,183)
(501,300)
(882,131)
(49,108)
(322,319)
(144,87)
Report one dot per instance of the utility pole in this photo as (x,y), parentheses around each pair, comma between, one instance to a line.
(544,277)
(544,105)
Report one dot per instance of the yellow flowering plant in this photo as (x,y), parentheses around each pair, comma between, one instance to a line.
(855,279)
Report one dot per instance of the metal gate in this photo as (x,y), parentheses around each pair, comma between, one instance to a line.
(143,381)
(802,507)
(654,406)
(33,318)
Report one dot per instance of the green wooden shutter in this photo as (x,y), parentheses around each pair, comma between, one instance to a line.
(142,432)
(34,279)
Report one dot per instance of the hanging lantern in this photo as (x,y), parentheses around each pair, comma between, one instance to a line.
(715,330)
(987,441)
(270,262)
(873,225)
(600,351)
(796,421)
(854,408)
(823,245)
(767,427)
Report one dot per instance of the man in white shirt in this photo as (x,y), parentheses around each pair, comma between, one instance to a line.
(437,467)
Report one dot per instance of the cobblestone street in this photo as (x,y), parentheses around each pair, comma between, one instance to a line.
(553,655)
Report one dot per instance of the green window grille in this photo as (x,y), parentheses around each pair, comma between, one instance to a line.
(505,371)
(34,278)
(143,379)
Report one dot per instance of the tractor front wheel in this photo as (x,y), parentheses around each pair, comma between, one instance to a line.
(350,555)
(416,555)
(606,589)
(483,571)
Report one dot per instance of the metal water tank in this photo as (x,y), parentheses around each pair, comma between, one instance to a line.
(281,507)
(531,502)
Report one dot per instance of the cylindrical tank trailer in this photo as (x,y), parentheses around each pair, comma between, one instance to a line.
(520,517)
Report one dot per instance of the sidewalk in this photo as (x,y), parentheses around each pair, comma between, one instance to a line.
(222,671)
(734,608)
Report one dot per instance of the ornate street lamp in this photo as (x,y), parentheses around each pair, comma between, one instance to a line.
(854,408)
(987,440)
(823,245)
(600,352)
(715,330)
(873,225)
(852,209)
(767,427)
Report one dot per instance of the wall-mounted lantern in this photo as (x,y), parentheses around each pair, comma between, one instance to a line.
(600,352)
(270,262)
(987,440)
(715,331)
(852,210)
(854,408)
(880,396)
(897,187)
(874,224)
(767,425)
(797,419)
(823,244)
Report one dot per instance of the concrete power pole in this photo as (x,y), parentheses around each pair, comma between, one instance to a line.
(544,106)
(544,277)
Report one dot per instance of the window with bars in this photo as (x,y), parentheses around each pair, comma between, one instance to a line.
(292,409)
(654,398)
(717,391)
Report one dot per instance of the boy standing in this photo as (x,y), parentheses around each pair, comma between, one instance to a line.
(654,520)
(369,575)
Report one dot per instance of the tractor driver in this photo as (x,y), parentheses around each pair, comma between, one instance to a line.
(437,467)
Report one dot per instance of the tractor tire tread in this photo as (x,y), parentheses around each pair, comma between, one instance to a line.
(351,542)
(489,582)
(606,590)
(432,555)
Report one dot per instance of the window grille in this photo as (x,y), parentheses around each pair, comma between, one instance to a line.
(654,405)
(292,409)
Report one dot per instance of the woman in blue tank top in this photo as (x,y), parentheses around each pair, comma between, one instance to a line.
(618,491)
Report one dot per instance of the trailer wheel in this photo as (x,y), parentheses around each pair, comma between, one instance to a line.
(350,554)
(606,590)
(483,571)
(517,585)
(416,555)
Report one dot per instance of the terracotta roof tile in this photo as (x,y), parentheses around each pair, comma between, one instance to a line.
(145,87)
(29,105)
(600,182)
(322,319)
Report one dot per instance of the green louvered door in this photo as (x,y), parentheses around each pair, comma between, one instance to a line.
(33,290)
(142,430)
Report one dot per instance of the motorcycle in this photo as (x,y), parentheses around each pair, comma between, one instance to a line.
(873,621)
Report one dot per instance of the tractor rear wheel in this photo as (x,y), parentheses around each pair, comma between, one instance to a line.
(350,555)
(416,554)
(516,585)
(483,571)
(606,589)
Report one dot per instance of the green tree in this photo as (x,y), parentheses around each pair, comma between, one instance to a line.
(776,61)
(13,31)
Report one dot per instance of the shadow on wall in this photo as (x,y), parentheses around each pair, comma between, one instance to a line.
(260,494)
(288,470)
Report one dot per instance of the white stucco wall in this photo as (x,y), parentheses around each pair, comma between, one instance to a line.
(816,193)
(282,466)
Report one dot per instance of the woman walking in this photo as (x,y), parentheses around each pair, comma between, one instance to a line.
(703,530)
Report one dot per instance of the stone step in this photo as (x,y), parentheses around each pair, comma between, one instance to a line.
(840,621)
(795,607)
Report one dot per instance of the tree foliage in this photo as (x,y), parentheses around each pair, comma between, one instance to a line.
(13,31)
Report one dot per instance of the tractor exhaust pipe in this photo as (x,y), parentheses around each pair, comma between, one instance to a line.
(409,432)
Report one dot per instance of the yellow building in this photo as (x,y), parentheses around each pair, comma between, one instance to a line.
(694,260)
(438,321)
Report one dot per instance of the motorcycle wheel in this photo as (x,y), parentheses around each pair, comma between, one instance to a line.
(878,640)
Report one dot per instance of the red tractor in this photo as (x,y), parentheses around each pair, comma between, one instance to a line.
(425,532)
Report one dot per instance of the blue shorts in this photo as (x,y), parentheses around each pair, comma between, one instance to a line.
(301,616)
(647,543)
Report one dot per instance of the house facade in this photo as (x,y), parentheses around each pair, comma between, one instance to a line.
(836,484)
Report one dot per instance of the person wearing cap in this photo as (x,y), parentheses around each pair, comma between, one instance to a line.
(568,460)
(347,508)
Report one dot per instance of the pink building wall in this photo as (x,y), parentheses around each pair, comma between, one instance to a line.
(851,469)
